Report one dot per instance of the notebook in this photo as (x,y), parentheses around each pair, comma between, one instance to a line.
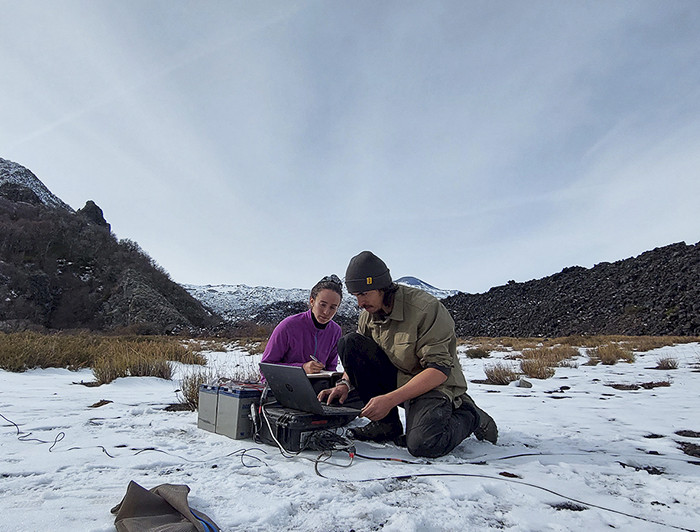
(293,389)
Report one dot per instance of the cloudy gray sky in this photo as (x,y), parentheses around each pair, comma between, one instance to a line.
(467,143)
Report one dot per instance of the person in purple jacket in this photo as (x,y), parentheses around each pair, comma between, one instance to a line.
(309,339)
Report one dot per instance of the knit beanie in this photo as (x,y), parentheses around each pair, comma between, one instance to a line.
(366,272)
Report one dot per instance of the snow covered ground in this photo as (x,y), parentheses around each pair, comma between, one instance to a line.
(574,454)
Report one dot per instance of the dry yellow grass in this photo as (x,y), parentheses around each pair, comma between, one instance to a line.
(189,386)
(611,353)
(478,352)
(552,356)
(647,343)
(667,363)
(537,368)
(500,373)
(564,352)
(634,343)
(110,357)
(519,344)
(27,350)
(254,345)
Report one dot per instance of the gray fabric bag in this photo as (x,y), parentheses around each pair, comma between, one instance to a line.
(162,509)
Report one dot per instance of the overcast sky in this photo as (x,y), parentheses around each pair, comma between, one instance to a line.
(466,143)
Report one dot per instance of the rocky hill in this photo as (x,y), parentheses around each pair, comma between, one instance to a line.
(64,269)
(656,293)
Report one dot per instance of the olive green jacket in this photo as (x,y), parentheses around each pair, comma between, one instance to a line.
(419,333)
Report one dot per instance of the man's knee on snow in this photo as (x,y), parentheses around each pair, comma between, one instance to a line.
(430,435)
(422,445)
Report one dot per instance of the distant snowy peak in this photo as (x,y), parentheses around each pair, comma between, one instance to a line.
(238,301)
(20,184)
(417,283)
(226,297)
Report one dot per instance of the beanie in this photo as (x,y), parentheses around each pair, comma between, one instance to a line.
(366,272)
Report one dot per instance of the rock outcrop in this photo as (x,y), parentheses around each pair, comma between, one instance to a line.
(61,269)
(656,293)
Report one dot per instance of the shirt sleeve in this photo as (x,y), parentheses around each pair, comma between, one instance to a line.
(277,347)
(435,335)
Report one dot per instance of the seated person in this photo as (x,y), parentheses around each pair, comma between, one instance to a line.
(309,339)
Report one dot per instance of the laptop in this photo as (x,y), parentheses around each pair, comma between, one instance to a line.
(293,389)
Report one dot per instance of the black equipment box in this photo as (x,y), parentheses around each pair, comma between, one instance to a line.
(296,430)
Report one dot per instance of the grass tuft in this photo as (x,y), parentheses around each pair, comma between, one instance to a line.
(500,373)
(667,363)
(610,354)
(189,386)
(537,368)
(478,352)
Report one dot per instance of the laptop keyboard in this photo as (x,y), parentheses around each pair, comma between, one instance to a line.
(334,410)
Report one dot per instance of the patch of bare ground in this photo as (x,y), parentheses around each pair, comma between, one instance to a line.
(178,407)
(645,385)
(688,433)
(100,403)
(652,470)
(691,449)
(571,506)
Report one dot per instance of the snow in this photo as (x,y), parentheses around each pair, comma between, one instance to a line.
(14,173)
(241,302)
(572,435)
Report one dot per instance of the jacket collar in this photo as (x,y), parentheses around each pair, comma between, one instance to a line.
(311,321)
(397,310)
(396,313)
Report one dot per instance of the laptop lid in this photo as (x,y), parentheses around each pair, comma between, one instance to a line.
(293,389)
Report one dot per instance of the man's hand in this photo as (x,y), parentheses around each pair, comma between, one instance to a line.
(329,395)
(378,407)
(313,367)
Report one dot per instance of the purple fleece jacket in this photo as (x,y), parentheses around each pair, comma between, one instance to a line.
(296,338)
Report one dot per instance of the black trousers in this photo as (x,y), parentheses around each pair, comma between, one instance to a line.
(433,426)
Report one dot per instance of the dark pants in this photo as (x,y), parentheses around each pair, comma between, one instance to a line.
(433,426)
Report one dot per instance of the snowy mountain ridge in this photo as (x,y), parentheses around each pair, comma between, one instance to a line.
(13,175)
(417,283)
(239,301)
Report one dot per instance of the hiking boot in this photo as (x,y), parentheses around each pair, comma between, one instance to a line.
(487,429)
(400,441)
(378,431)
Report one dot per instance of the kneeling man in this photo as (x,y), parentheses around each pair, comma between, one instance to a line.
(404,353)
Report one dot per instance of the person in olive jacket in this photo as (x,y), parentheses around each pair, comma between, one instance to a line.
(404,353)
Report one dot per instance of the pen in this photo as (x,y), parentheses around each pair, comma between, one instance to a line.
(317,360)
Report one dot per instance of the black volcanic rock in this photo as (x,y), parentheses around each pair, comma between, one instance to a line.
(656,293)
(94,214)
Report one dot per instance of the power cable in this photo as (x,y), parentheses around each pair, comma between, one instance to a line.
(326,455)
(489,477)
(24,436)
